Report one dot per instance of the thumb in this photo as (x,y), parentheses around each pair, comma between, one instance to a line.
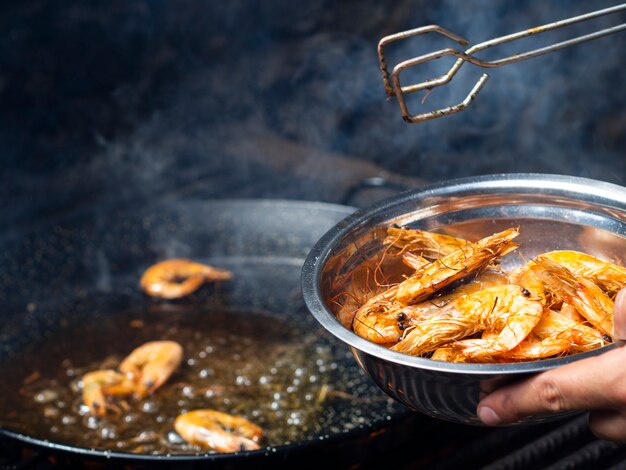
(619,319)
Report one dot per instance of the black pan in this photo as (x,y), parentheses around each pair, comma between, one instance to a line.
(61,288)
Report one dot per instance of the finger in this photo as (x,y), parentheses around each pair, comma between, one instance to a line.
(594,383)
(608,425)
(619,320)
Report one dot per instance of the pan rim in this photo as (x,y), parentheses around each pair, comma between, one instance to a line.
(295,262)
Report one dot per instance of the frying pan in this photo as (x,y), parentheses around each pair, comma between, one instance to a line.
(84,269)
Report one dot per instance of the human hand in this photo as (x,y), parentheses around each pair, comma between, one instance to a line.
(597,384)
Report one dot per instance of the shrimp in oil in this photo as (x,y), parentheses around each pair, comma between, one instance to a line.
(151,364)
(218,431)
(174,278)
(99,385)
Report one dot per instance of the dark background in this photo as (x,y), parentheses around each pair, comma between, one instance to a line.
(106,104)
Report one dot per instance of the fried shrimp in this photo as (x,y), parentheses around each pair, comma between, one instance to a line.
(455,304)
(457,265)
(608,276)
(535,348)
(384,321)
(99,385)
(505,309)
(423,243)
(582,337)
(151,364)
(218,431)
(526,278)
(174,278)
(586,297)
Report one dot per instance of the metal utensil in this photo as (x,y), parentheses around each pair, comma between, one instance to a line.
(393,86)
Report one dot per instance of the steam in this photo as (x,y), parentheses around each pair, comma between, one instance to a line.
(188,84)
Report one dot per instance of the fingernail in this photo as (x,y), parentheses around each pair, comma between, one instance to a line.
(488,416)
(619,322)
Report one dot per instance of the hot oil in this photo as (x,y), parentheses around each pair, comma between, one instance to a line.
(284,376)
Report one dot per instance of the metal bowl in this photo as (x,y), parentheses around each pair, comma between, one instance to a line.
(553,213)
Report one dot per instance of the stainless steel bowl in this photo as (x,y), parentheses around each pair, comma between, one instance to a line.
(553,212)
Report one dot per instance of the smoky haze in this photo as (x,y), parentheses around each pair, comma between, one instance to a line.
(136,101)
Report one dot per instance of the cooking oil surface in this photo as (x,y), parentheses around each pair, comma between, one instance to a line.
(282,372)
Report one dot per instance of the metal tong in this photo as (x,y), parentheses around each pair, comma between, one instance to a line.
(393,86)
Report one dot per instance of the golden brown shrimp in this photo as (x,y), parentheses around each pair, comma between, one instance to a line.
(457,265)
(174,278)
(525,277)
(507,309)
(554,335)
(514,316)
(421,242)
(608,276)
(448,354)
(582,337)
(218,431)
(384,321)
(346,312)
(570,312)
(530,348)
(586,297)
(101,384)
(534,348)
(151,364)
(382,309)
(527,347)
(381,322)
(414,261)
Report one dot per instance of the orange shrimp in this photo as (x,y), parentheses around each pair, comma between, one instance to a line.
(174,278)
(507,309)
(586,297)
(385,320)
(608,276)
(534,348)
(414,261)
(99,385)
(423,243)
(582,337)
(448,354)
(531,348)
(151,364)
(525,277)
(218,431)
(457,265)
(570,312)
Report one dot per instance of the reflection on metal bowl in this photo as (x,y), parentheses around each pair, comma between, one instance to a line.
(552,212)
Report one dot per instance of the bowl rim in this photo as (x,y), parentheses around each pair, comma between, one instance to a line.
(599,192)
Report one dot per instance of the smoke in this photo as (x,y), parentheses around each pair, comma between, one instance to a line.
(136,101)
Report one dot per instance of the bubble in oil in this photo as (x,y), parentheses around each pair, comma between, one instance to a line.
(272,376)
